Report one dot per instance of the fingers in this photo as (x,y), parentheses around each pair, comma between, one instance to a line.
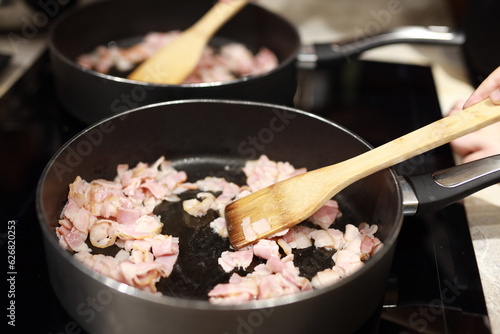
(490,86)
(495,96)
(459,105)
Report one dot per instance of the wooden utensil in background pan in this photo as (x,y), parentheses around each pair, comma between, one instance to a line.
(174,62)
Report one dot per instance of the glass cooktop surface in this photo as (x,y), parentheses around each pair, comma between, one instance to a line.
(434,285)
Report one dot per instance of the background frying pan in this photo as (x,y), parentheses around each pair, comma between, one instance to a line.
(202,137)
(92,96)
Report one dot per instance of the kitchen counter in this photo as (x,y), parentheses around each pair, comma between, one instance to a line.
(320,21)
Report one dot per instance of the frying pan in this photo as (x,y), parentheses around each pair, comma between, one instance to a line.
(216,137)
(91,96)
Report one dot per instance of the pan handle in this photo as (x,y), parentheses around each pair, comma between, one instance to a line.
(311,56)
(430,192)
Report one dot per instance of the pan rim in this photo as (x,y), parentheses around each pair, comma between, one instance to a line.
(170,301)
(292,58)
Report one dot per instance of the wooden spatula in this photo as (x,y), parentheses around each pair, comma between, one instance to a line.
(173,63)
(291,201)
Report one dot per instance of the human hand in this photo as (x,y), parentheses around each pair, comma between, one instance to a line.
(486,141)
(490,87)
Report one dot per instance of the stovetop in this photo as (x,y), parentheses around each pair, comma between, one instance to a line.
(434,285)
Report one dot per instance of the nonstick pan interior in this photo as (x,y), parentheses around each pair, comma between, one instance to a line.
(215,138)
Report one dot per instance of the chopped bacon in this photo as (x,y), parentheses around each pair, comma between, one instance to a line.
(164,245)
(261,226)
(219,226)
(167,263)
(143,275)
(120,212)
(303,240)
(327,277)
(266,249)
(326,215)
(199,208)
(74,239)
(238,259)
(102,234)
(232,61)
(348,260)
(264,172)
(285,246)
(322,239)
(237,290)
(248,231)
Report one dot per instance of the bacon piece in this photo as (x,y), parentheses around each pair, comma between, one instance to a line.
(219,225)
(275,264)
(322,239)
(261,226)
(338,238)
(102,234)
(143,275)
(167,263)
(78,216)
(127,217)
(325,216)
(73,239)
(237,290)
(164,245)
(285,246)
(238,259)
(264,172)
(266,249)
(303,240)
(248,231)
(197,208)
(234,59)
(348,261)
(327,277)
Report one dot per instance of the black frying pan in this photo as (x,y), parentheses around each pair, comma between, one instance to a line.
(92,96)
(202,137)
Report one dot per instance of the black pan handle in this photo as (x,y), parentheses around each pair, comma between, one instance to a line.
(313,55)
(430,192)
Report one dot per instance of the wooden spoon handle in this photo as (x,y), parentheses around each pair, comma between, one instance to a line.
(414,143)
(219,14)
